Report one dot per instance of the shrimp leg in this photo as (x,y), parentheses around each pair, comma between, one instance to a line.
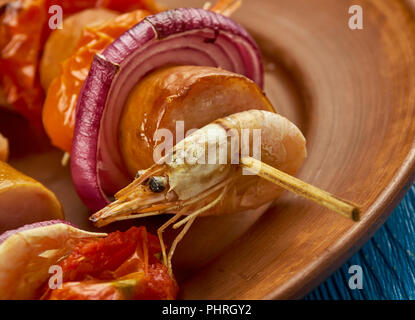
(201,210)
(188,221)
(176,242)
(162,229)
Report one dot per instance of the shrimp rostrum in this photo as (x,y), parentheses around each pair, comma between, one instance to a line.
(202,174)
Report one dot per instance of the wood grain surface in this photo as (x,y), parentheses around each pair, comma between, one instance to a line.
(387,261)
(354,99)
(352,92)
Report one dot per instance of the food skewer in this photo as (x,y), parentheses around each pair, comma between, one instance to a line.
(297,186)
(192,188)
(304,189)
(65,159)
(162,195)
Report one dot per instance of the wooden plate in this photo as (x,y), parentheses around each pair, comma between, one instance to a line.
(352,92)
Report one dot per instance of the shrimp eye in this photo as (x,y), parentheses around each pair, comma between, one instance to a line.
(157,184)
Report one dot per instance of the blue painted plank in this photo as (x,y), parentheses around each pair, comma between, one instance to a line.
(387,261)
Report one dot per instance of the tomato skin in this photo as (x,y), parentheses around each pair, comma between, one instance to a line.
(122,266)
(24,30)
(96,257)
(155,285)
(159,285)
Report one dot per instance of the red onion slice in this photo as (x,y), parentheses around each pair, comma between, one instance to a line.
(179,37)
(29,252)
(5,235)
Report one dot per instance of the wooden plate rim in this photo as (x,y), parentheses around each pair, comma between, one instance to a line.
(373,218)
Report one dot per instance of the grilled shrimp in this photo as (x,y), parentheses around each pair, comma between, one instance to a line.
(191,180)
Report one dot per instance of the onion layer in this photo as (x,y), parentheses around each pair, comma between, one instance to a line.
(27,253)
(5,235)
(179,37)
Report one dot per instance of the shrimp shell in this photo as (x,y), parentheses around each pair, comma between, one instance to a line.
(193,184)
(198,186)
(282,146)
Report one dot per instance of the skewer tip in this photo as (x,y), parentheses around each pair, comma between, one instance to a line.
(65,159)
(356,214)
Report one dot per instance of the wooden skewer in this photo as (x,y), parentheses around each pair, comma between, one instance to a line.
(207,5)
(302,188)
(65,159)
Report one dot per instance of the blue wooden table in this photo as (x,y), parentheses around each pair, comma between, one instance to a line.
(387,261)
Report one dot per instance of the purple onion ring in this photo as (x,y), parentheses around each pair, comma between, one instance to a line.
(179,37)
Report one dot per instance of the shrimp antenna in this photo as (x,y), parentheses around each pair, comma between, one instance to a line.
(290,183)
